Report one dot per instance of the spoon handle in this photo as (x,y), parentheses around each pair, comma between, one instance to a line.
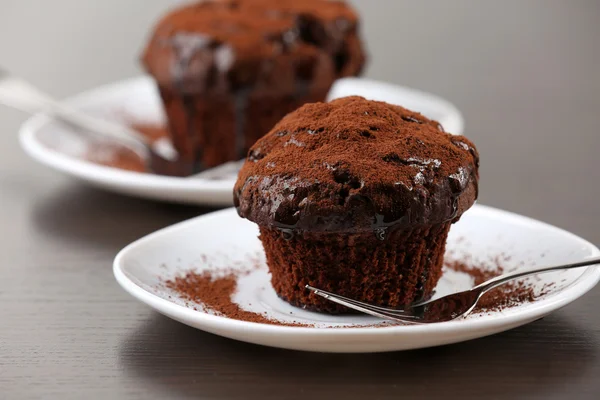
(502,279)
(21,95)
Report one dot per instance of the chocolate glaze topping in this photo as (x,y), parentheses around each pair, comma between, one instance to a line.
(220,46)
(356,165)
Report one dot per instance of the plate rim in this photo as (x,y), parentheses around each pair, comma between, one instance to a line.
(583,284)
(105,175)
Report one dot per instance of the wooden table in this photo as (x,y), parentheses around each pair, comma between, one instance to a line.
(525,73)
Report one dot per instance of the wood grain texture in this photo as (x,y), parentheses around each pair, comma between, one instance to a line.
(525,73)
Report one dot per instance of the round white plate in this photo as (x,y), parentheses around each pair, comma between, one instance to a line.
(136,100)
(223,240)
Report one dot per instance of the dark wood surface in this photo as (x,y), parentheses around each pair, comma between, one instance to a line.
(526,75)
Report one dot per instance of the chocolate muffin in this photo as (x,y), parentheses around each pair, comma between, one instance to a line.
(356,197)
(228,70)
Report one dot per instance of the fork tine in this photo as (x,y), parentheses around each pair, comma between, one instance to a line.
(363,307)
(400,313)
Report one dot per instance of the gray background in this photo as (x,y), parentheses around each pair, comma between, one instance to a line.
(526,76)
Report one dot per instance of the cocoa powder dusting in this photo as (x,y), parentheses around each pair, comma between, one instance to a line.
(374,141)
(116,156)
(215,293)
(351,161)
(113,155)
(236,44)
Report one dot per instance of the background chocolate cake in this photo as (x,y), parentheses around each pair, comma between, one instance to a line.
(356,197)
(228,70)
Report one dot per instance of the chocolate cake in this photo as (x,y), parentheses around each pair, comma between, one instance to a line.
(356,197)
(228,70)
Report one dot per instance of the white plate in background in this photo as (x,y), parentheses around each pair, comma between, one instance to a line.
(136,100)
(224,240)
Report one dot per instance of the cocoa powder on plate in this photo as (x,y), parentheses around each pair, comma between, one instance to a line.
(113,155)
(214,290)
(505,296)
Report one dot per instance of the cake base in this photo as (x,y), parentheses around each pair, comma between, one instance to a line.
(391,269)
(208,131)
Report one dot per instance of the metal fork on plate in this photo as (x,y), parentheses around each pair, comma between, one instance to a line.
(447,308)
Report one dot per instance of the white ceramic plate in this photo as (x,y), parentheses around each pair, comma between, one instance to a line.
(223,240)
(136,100)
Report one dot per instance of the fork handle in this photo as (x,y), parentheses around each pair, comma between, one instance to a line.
(502,279)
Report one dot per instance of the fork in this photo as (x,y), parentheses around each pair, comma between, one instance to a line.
(17,93)
(446,308)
